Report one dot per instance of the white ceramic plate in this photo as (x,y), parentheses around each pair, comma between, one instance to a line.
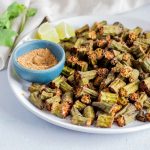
(19,86)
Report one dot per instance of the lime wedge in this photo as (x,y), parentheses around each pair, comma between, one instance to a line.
(47,32)
(65,30)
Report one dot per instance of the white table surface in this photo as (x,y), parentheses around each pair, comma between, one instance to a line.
(21,130)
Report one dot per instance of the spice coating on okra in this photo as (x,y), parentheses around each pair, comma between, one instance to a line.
(106,77)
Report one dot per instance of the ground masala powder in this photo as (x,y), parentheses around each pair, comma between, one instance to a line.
(38,59)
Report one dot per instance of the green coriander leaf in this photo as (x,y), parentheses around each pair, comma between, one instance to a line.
(6,37)
(31,12)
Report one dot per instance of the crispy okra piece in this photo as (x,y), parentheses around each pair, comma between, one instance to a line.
(122,101)
(34,87)
(137,51)
(134,75)
(133,97)
(86,99)
(147,115)
(111,30)
(126,119)
(72,61)
(36,100)
(89,35)
(79,105)
(70,79)
(116,85)
(109,108)
(67,71)
(139,103)
(119,46)
(117,68)
(99,53)
(145,86)
(129,88)
(101,74)
(108,97)
(97,25)
(82,51)
(65,86)
(50,101)
(56,109)
(45,95)
(82,65)
(141,116)
(67,46)
(89,113)
(104,120)
(80,120)
(92,57)
(57,81)
(82,29)
(84,91)
(146,103)
(126,71)
(88,74)
(107,81)
(133,34)
(146,64)
(75,112)
(101,43)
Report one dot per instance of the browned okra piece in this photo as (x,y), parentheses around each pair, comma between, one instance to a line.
(82,65)
(134,75)
(141,116)
(104,120)
(129,88)
(57,81)
(82,29)
(134,97)
(116,85)
(92,57)
(79,105)
(36,100)
(145,86)
(101,74)
(99,53)
(86,99)
(139,103)
(125,71)
(67,102)
(122,101)
(72,61)
(147,115)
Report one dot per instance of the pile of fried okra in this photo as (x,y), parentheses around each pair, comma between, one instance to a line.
(106,78)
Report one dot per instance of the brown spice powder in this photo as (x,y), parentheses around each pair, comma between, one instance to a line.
(38,59)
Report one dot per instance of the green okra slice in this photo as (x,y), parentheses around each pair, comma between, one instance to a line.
(138,51)
(123,101)
(107,81)
(140,102)
(97,25)
(36,100)
(104,120)
(117,68)
(34,87)
(146,103)
(82,65)
(89,35)
(116,85)
(119,46)
(126,119)
(145,86)
(80,120)
(89,112)
(108,97)
(67,46)
(65,86)
(134,75)
(82,29)
(79,105)
(128,109)
(146,64)
(45,95)
(84,91)
(87,74)
(75,112)
(111,30)
(67,71)
(56,109)
(129,88)
(57,81)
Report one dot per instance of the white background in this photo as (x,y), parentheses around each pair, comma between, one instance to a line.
(21,130)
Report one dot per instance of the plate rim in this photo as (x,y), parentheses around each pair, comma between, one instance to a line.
(66,125)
